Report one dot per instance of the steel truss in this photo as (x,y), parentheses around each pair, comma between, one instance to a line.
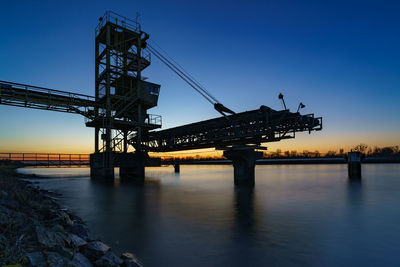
(28,96)
(246,128)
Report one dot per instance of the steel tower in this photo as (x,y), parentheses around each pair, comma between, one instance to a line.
(123,95)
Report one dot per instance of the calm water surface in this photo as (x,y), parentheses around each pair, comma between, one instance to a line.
(296,215)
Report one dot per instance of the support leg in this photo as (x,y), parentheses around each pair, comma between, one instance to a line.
(101,166)
(244,161)
(354,164)
(177,167)
(132,167)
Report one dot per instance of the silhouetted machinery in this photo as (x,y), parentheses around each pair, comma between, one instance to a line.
(124,95)
(119,110)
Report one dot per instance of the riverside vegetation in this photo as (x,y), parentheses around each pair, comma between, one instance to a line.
(36,231)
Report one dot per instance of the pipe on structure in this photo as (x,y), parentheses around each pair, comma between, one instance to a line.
(244,161)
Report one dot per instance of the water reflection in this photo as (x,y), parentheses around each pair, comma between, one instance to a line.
(244,228)
(245,219)
(355,192)
(295,215)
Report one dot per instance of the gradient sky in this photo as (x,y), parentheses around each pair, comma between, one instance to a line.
(340,58)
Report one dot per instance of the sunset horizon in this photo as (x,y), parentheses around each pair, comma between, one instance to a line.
(321,67)
(199,133)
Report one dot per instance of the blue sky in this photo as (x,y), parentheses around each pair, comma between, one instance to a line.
(340,58)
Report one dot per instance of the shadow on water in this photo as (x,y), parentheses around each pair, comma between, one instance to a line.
(244,228)
(124,207)
(355,192)
(244,209)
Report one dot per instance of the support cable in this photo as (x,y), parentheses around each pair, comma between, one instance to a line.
(197,83)
(184,75)
(179,73)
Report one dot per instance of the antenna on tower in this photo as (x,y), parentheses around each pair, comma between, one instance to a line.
(138,19)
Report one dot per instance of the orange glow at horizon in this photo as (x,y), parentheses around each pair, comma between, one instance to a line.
(319,141)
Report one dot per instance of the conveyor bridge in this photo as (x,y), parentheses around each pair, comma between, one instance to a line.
(118,111)
(246,128)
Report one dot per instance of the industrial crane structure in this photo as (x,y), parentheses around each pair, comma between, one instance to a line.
(119,110)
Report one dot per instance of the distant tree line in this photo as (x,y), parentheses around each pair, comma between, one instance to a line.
(377,151)
(368,151)
(388,151)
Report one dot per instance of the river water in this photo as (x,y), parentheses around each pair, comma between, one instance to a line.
(309,215)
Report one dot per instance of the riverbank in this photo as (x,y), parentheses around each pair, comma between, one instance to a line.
(36,231)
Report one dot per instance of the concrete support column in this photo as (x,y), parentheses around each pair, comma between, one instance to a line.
(132,166)
(99,167)
(177,167)
(244,161)
(354,164)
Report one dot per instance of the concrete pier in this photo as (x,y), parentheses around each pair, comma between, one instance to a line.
(131,166)
(354,164)
(177,167)
(244,161)
(100,167)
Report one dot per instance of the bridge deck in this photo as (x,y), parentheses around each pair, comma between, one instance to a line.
(246,128)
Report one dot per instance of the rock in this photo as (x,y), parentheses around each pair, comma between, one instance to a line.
(130,260)
(66,218)
(47,212)
(75,219)
(76,241)
(80,260)
(55,259)
(58,229)
(79,230)
(3,193)
(34,204)
(109,259)
(5,214)
(36,259)
(95,250)
(56,220)
(48,237)
(64,251)
(3,241)
(12,204)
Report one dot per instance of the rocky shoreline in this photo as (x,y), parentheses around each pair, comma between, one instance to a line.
(36,231)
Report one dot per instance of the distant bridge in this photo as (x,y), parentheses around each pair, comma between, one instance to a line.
(48,159)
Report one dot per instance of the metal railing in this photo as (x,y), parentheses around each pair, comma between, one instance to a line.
(47,159)
(29,89)
(22,95)
(153,119)
(119,20)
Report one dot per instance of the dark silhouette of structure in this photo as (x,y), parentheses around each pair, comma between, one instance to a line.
(354,164)
(119,110)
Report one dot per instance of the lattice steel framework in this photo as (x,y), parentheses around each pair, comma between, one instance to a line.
(247,128)
(28,96)
(123,95)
